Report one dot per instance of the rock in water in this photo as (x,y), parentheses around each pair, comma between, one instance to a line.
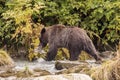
(66,65)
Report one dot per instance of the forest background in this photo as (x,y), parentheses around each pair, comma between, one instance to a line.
(22,20)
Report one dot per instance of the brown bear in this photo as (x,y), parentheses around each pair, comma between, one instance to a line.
(73,38)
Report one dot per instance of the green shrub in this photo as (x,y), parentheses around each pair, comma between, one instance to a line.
(100,18)
(17,24)
(20,20)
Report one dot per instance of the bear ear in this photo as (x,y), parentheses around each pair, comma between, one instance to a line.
(43,31)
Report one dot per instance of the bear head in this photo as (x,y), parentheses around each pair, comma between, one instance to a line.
(43,38)
(43,41)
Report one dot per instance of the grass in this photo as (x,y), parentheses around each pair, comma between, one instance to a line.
(5,59)
(109,70)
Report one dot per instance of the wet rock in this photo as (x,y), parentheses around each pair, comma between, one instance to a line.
(7,73)
(66,65)
(25,73)
(60,65)
(13,72)
(40,72)
(81,68)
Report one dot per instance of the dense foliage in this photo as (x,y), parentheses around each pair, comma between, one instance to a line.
(17,26)
(100,17)
(20,20)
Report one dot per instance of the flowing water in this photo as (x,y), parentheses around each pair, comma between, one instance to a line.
(41,64)
(45,65)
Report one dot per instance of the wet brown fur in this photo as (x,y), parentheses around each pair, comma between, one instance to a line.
(73,38)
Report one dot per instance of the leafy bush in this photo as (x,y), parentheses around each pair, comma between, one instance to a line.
(18,28)
(100,18)
(20,20)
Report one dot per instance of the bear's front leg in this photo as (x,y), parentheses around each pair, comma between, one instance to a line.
(51,54)
(74,55)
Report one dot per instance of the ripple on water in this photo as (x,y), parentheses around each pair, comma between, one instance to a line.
(40,63)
